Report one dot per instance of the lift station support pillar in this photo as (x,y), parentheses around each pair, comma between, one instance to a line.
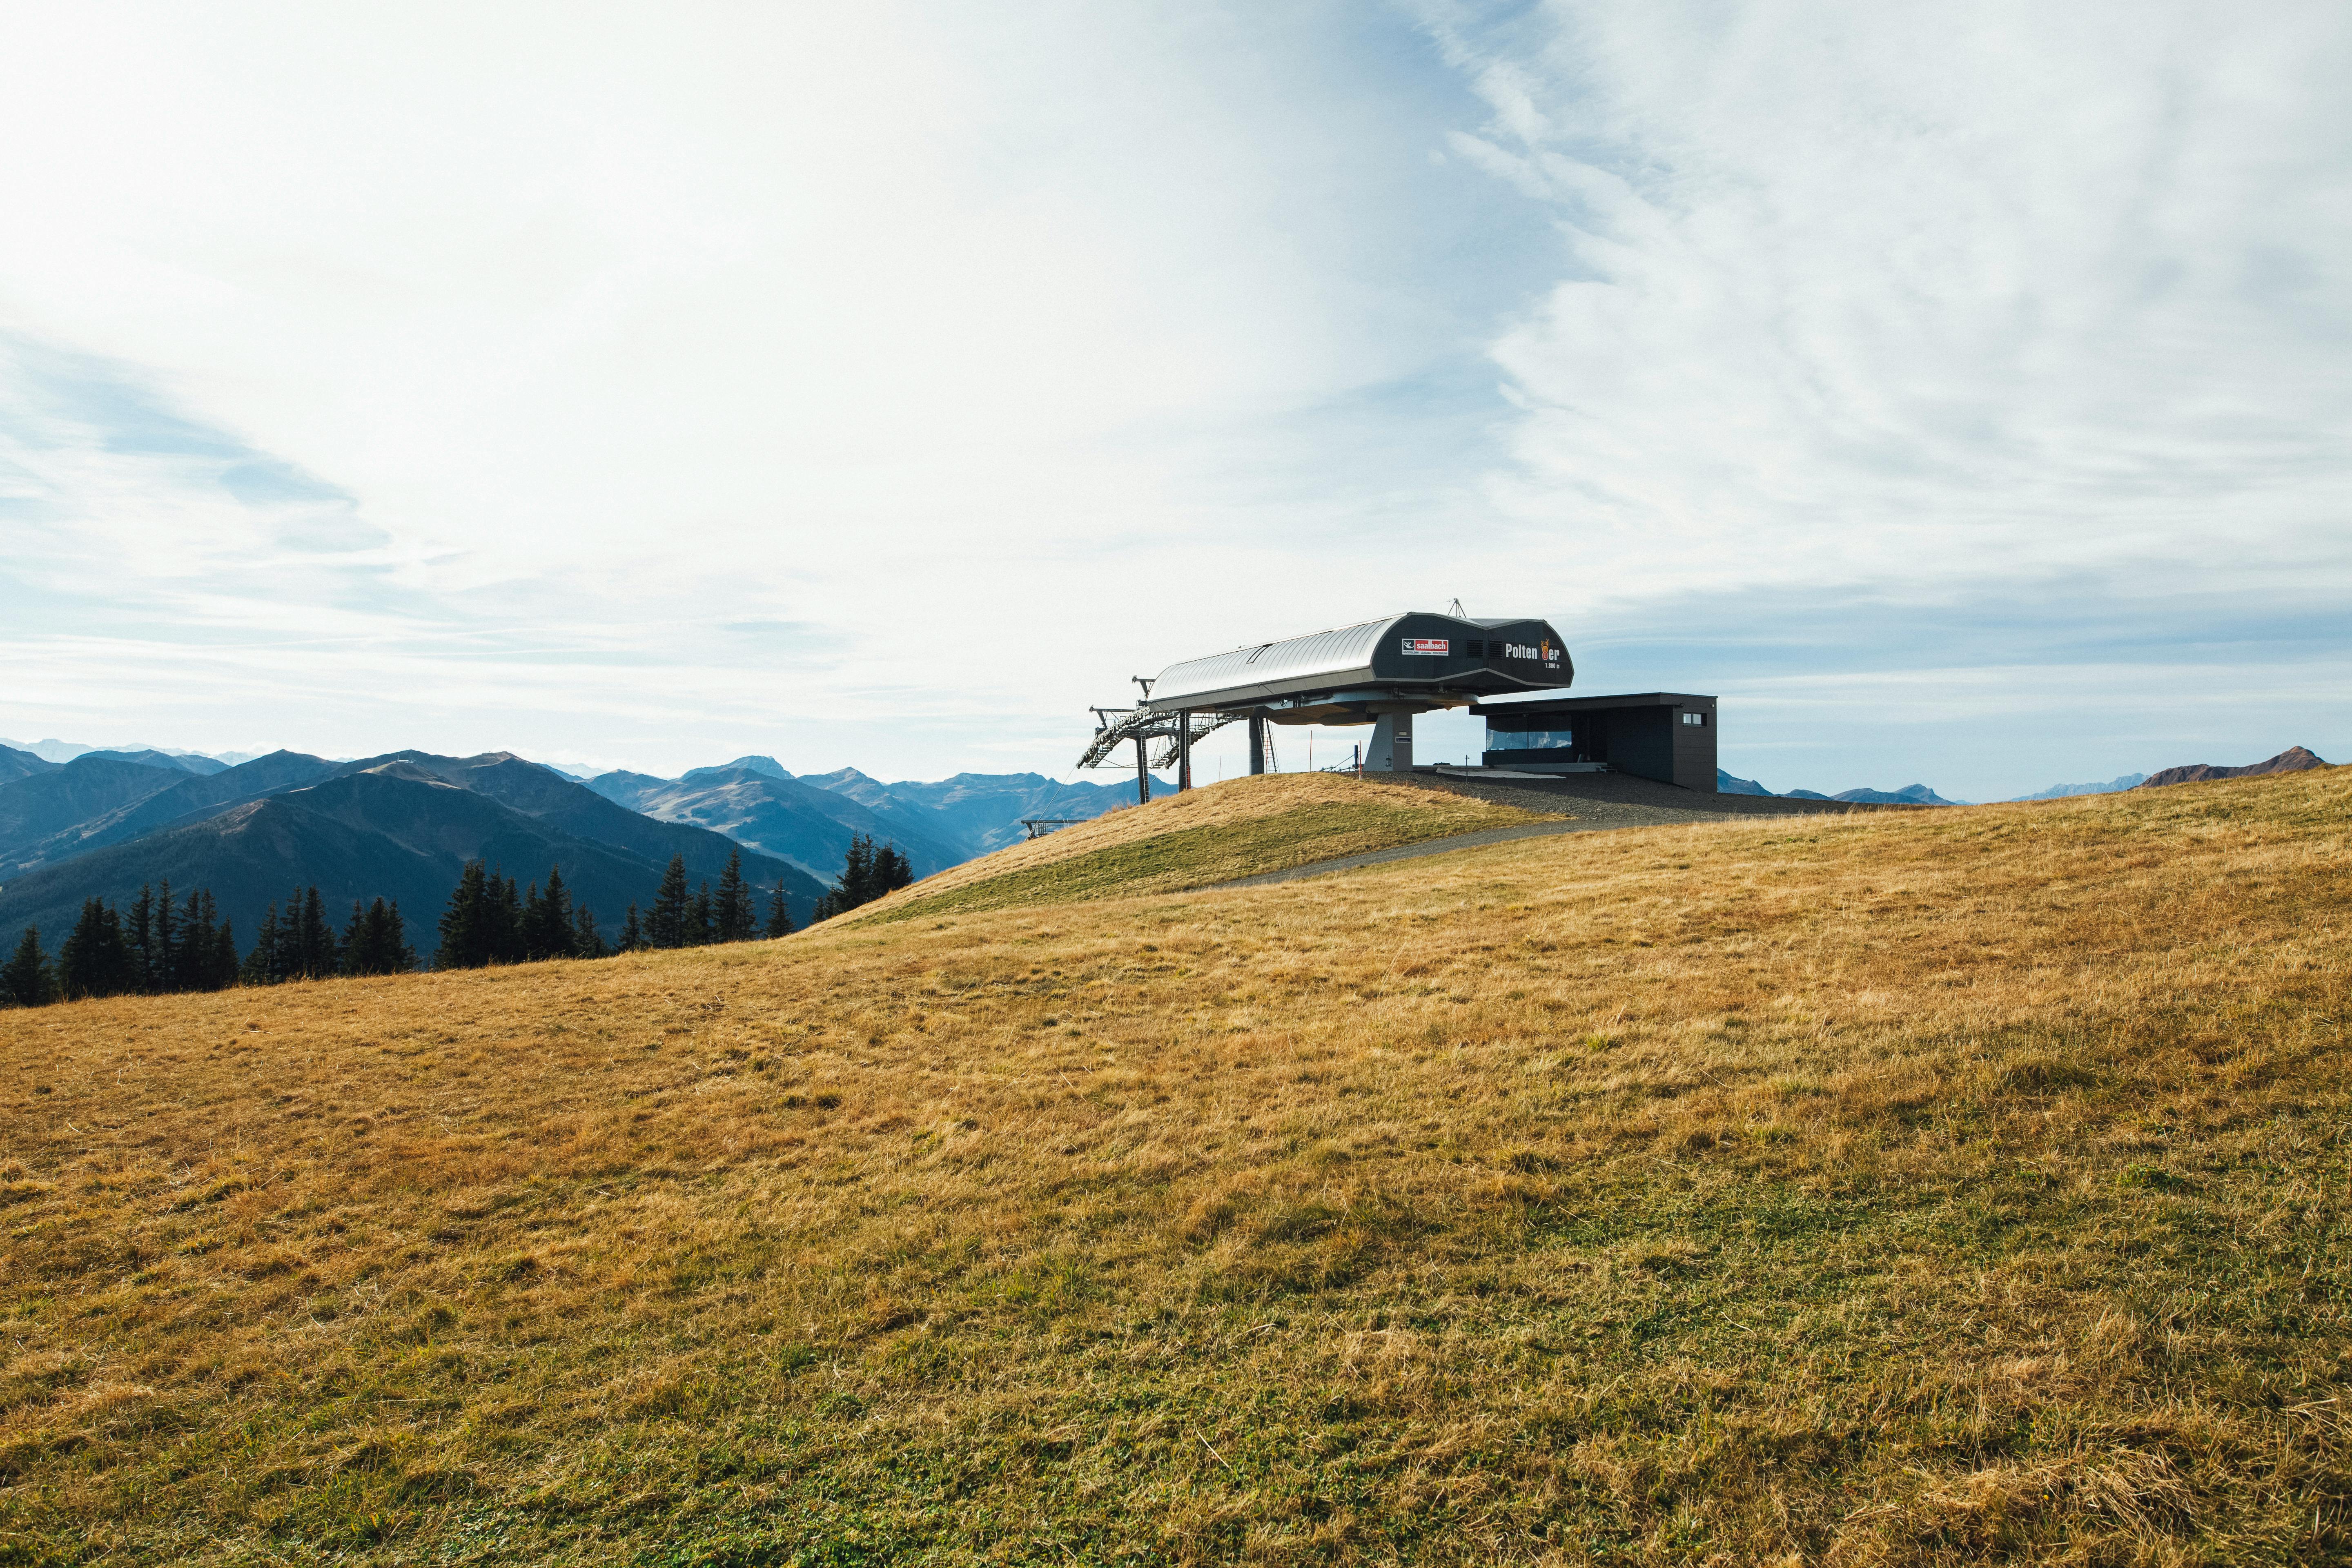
(1142,773)
(1258,743)
(1185,750)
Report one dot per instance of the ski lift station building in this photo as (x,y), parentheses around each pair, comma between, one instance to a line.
(1382,672)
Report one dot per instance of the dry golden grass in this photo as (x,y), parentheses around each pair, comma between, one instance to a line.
(1216,833)
(1920,1188)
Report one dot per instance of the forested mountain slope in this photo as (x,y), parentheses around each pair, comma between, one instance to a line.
(398,828)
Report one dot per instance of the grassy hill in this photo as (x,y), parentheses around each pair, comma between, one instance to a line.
(1217,834)
(1927,1188)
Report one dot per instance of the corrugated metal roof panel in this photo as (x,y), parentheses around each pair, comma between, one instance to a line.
(1339,655)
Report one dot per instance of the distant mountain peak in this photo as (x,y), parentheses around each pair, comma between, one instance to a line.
(1909,794)
(2293,760)
(18,764)
(768,766)
(2068,791)
(152,758)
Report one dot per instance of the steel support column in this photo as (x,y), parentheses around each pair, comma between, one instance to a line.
(1185,750)
(1142,773)
(1258,743)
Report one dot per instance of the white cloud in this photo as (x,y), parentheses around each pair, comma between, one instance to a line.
(882,383)
(949,334)
(2011,330)
(1870,295)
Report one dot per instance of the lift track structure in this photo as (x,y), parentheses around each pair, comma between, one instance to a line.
(1379,672)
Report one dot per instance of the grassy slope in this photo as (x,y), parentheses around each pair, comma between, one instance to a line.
(1216,834)
(1932,1187)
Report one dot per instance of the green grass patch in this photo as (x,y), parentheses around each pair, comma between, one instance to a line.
(1198,857)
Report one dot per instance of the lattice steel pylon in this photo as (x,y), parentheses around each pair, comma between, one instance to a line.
(1203,724)
(1115,727)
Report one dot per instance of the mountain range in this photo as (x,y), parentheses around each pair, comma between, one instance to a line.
(809,819)
(102,822)
(2065,792)
(2295,759)
(1909,794)
(399,827)
(66,751)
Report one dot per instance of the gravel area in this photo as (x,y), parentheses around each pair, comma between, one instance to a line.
(1622,800)
(1596,802)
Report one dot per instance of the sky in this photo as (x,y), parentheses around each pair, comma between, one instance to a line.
(1960,395)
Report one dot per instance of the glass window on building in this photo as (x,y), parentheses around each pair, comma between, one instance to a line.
(1529,740)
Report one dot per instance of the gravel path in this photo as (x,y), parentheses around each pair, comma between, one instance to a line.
(1598,801)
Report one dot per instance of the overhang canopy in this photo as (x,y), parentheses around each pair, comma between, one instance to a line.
(1398,663)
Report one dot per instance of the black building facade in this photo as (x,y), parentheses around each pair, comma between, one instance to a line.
(1668,736)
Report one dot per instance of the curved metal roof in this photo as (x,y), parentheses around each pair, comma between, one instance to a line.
(1352,656)
(1270,668)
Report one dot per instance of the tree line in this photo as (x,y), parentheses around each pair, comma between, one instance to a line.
(867,872)
(159,947)
(156,947)
(704,917)
(301,945)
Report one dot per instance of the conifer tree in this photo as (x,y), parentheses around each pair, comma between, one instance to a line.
(891,870)
(779,920)
(559,911)
(261,966)
(95,960)
(701,919)
(547,918)
(633,934)
(465,925)
(866,873)
(856,876)
(375,942)
(288,961)
(286,958)
(735,918)
(164,971)
(225,966)
(396,940)
(666,924)
(506,921)
(314,940)
(585,942)
(26,980)
(139,932)
(197,961)
(352,951)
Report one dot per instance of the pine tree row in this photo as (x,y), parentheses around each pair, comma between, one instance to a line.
(703,918)
(489,922)
(301,945)
(158,948)
(867,872)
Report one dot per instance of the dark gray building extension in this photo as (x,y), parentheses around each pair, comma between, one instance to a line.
(1664,735)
